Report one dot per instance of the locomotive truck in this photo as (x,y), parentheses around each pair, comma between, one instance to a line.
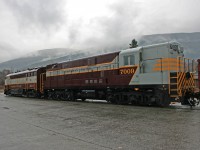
(150,75)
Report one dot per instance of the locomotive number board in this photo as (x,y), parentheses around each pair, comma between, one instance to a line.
(126,71)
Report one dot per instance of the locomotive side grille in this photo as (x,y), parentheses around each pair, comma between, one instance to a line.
(168,64)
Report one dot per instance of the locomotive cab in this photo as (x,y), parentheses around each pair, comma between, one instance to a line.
(162,68)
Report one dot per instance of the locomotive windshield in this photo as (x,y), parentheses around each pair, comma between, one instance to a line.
(176,47)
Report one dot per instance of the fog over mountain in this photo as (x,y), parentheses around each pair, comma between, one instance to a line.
(190,42)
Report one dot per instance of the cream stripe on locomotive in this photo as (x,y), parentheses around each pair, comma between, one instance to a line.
(25,80)
(84,69)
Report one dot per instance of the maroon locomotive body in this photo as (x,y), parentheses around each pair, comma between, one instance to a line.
(87,78)
(27,83)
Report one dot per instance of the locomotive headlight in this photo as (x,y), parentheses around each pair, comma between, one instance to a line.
(136,89)
(164,87)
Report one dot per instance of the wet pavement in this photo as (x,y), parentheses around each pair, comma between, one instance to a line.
(36,124)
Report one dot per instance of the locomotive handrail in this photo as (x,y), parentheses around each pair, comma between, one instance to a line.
(152,59)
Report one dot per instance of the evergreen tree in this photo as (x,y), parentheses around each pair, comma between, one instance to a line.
(133,44)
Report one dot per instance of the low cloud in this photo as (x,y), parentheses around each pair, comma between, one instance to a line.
(116,30)
(43,24)
(133,18)
(7,51)
(37,14)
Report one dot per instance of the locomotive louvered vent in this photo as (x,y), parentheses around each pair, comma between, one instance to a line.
(174,47)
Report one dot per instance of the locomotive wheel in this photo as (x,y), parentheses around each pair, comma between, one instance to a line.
(83,99)
(110,98)
(50,96)
(162,99)
(184,101)
(162,102)
(69,96)
(125,100)
(133,100)
(62,96)
(27,94)
(118,99)
(54,96)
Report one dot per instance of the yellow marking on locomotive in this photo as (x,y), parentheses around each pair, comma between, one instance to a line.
(168,64)
(127,66)
(127,71)
(170,68)
(168,60)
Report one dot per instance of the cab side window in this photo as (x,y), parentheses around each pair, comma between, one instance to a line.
(126,60)
(129,60)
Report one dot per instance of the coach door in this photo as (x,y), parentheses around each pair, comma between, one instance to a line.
(42,80)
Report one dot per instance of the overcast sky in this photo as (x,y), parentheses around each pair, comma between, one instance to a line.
(30,25)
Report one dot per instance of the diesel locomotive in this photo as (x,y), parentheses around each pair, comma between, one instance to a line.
(150,75)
